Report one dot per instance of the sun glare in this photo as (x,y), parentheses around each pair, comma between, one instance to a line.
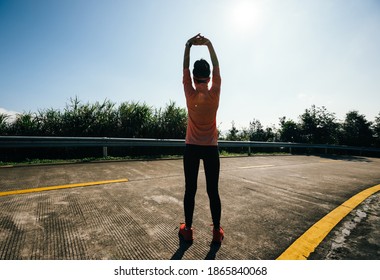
(245,14)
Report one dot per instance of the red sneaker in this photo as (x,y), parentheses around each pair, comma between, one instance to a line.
(218,235)
(187,234)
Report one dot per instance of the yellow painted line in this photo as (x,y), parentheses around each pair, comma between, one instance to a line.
(42,189)
(307,242)
(254,166)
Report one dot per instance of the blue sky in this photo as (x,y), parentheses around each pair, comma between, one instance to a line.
(277,57)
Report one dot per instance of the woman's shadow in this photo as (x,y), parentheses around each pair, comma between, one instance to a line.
(214,248)
(185,245)
(182,248)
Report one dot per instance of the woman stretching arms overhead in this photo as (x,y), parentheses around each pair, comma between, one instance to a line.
(202,104)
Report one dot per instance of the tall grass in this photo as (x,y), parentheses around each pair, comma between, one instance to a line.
(100,119)
(78,119)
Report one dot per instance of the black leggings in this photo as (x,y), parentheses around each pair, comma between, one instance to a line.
(193,155)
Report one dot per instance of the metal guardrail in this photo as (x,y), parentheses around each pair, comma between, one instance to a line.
(39,141)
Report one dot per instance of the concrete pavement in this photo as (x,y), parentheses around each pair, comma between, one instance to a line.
(267,203)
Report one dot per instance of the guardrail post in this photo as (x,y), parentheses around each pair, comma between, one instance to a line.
(249,151)
(105,150)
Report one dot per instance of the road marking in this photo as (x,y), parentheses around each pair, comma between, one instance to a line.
(42,189)
(307,242)
(254,166)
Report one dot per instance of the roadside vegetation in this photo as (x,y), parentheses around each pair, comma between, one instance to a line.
(316,125)
(78,119)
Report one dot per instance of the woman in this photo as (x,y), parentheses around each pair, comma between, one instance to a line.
(201,136)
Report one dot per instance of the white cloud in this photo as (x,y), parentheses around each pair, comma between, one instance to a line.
(12,114)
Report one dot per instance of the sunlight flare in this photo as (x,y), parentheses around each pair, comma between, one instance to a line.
(245,14)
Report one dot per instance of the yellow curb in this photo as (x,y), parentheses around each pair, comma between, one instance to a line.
(307,242)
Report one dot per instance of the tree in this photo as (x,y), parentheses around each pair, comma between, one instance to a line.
(289,131)
(271,133)
(232,134)
(376,131)
(356,130)
(317,125)
(256,131)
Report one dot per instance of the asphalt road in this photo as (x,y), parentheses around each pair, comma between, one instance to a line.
(267,203)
